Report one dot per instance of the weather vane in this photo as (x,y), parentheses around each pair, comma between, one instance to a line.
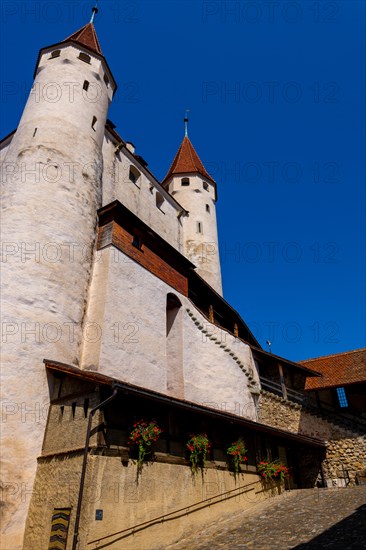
(186,123)
(94,11)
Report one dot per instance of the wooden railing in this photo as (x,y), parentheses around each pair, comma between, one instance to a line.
(274,387)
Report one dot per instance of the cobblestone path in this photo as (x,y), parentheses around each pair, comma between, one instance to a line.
(333,519)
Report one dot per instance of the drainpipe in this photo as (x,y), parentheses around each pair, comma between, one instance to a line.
(85,459)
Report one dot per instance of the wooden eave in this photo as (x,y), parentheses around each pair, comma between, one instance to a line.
(199,287)
(104,380)
(267,356)
(117,212)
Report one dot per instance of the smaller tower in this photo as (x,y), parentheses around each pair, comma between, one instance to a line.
(194,188)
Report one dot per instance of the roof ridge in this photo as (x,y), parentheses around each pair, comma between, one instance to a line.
(332,355)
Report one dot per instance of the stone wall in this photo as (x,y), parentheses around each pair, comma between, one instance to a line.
(111,485)
(345,443)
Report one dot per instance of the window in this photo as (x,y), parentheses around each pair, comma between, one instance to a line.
(94,122)
(137,241)
(86,85)
(174,346)
(106,80)
(159,200)
(205,186)
(199,227)
(185,182)
(35,131)
(84,57)
(54,54)
(134,175)
(208,208)
(342,397)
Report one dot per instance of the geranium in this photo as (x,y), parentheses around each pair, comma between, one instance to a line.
(198,447)
(273,470)
(143,435)
(237,454)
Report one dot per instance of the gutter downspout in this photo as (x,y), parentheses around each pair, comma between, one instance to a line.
(85,459)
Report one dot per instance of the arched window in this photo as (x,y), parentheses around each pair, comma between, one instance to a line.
(205,186)
(184,182)
(54,54)
(84,57)
(134,175)
(174,346)
(159,200)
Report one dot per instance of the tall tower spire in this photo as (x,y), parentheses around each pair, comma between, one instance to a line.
(94,11)
(195,190)
(186,123)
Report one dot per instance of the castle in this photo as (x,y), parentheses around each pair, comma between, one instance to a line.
(112,293)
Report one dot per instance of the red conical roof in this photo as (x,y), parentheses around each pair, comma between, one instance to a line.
(187,161)
(87,37)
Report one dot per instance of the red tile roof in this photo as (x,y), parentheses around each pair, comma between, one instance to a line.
(87,37)
(337,370)
(186,161)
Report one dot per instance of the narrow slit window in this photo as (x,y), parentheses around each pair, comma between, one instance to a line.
(94,122)
(54,54)
(199,227)
(106,80)
(73,408)
(35,131)
(342,398)
(185,182)
(86,85)
(208,208)
(84,57)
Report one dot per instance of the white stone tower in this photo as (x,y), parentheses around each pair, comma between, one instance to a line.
(51,189)
(194,188)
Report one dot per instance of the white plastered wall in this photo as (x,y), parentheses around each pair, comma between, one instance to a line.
(201,244)
(139,197)
(132,343)
(51,189)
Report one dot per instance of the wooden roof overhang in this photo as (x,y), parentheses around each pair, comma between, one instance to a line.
(62,369)
(268,357)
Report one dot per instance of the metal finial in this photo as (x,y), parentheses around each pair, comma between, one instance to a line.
(186,123)
(94,11)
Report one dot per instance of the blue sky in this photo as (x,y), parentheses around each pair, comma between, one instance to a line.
(277,114)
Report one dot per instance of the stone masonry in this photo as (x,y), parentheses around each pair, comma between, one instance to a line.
(345,441)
